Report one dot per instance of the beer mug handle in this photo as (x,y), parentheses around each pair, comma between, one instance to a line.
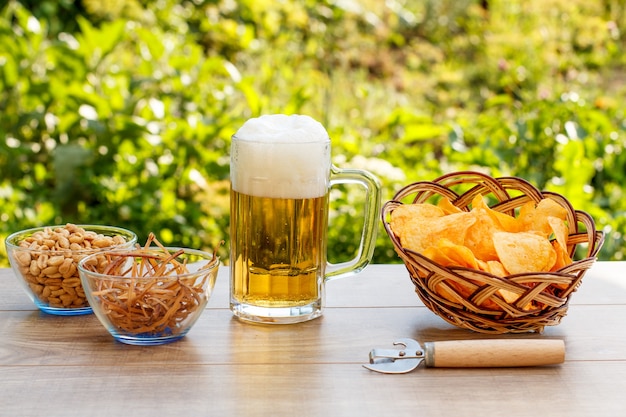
(371,213)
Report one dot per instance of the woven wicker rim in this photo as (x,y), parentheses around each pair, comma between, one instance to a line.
(469,312)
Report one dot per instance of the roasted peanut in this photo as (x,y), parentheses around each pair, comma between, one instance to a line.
(72,282)
(69,291)
(56,260)
(34,268)
(101,242)
(76,238)
(63,242)
(67,299)
(23,258)
(51,271)
(67,268)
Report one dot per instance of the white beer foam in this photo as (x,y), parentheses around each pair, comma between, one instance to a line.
(282,128)
(281,156)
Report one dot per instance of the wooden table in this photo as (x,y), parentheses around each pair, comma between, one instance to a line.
(70,366)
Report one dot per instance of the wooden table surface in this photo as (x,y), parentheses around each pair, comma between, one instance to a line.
(70,366)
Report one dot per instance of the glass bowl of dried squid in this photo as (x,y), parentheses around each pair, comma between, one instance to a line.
(149,295)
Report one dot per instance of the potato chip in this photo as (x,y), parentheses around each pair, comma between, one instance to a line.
(488,221)
(524,252)
(493,267)
(560,231)
(411,211)
(478,238)
(548,207)
(503,221)
(534,218)
(447,253)
(447,206)
(420,232)
(562,257)
(406,217)
(509,296)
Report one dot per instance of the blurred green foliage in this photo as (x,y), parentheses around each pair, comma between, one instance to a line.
(120,112)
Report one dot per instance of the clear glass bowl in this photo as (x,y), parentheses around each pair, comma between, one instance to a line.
(45,260)
(141,304)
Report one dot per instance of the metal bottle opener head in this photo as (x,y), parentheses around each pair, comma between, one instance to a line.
(396,361)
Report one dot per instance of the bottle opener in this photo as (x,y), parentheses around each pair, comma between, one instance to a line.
(483,353)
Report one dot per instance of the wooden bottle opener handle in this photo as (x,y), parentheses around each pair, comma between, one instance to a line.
(493,353)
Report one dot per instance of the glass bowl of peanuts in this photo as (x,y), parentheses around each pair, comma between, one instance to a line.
(149,295)
(45,260)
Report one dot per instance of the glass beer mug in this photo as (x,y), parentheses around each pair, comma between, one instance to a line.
(281,175)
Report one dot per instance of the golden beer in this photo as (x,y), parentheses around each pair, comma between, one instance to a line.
(278,250)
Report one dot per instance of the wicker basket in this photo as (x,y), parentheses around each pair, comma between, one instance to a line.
(552,290)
